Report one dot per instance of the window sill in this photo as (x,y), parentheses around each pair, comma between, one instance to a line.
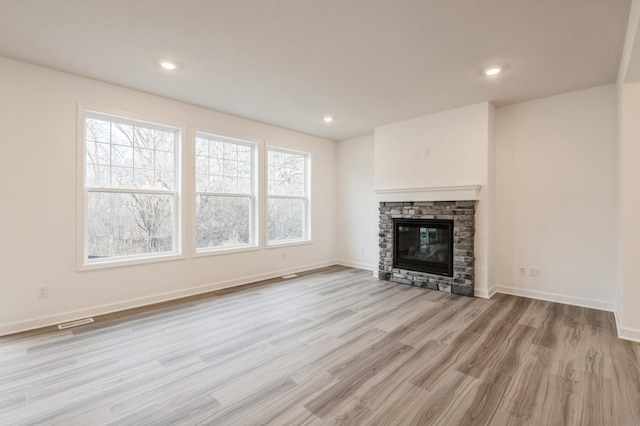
(119,263)
(289,243)
(228,250)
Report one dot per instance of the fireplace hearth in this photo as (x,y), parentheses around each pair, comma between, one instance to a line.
(428,244)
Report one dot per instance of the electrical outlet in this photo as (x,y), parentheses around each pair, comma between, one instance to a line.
(361,251)
(523,270)
(534,271)
(43,292)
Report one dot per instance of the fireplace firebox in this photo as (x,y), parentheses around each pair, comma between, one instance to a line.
(424,245)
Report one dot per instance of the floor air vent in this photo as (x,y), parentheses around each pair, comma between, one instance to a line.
(75,323)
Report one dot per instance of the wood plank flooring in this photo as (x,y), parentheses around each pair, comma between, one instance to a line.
(333,346)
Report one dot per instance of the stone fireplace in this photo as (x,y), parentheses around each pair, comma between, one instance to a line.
(416,235)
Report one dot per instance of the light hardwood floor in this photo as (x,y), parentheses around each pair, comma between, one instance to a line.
(334,346)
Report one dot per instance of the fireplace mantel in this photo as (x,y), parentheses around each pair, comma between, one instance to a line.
(440,193)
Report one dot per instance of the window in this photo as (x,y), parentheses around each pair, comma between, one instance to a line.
(130,188)
(287,202)
(225,192)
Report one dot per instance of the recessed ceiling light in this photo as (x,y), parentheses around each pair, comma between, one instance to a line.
(328,119)
(493,71)
(168,65)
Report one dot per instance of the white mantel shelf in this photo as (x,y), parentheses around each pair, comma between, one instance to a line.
(441,193)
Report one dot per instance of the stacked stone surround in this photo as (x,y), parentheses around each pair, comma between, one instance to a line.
(462,213)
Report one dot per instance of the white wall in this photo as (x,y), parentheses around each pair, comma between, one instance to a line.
(450,148)
(556,197)
(629,145)
(629,179)
(38,215)
(443,149)
(357,238)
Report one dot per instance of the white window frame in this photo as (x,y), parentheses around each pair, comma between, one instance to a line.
(83,262)
(306,228)
(254,237)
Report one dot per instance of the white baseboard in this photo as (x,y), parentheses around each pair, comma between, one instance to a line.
(46,321)
(618,318)
(629,334)
(358,265)
(625,332)
(484,293)
(558,298)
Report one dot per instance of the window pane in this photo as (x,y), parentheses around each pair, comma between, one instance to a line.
(121,224)
(144,179)
(164,180)
(244,153)
(215,166)
(244,186)
(202,183)
(143,137)
(216,184)
(122,134)
(98,130)
(216,149)
(98,153)
(129,153)
(230,185)
(143,158)
(231,151)
(286,173)
(202,164)
(163,140)
(164,160)
(202,147)
(285,219)
(121,156)
(222,221)
(229,165)
(98,176)
(121,177)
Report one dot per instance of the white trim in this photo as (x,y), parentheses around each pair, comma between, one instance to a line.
(288,197)
(17,327)
(224,194)
(629,334)
(484,293)
(358,265)
(438,193)
(625,333)
(132,260)
(127,119)
(558,298)
(225,250)
(287,243)
(261,231)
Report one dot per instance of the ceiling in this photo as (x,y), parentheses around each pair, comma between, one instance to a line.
(291,62)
